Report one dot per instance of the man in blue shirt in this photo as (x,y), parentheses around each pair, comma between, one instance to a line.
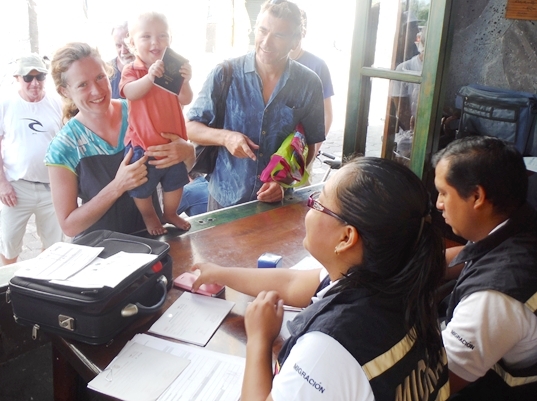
(269,95)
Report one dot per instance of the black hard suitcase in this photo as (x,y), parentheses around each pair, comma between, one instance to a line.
(95,316)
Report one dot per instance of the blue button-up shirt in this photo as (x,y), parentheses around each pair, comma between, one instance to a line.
(297,98)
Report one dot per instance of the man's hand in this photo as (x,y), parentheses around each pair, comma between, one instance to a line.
(7,194)
(270,192)
(239,145)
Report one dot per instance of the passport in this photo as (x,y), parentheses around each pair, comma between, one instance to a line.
(171,80)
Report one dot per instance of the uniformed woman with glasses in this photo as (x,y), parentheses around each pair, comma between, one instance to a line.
(369,328)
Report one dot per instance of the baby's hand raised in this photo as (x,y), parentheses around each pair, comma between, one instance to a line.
(186,71)
(156,70)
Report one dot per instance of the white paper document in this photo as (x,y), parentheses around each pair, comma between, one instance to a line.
(192,318)
(210,376)
(59,261)
(139,373)
(108,272)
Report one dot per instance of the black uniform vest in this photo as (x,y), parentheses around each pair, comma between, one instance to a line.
(372,330)
(505,261)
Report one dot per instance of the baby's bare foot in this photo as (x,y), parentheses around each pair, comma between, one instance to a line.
(178,222)
(154,226)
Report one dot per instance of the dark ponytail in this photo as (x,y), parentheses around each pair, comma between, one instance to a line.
(403,254)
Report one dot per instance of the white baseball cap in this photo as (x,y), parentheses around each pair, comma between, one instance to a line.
(26,64)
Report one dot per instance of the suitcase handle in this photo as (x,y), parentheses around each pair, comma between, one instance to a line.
(138,308)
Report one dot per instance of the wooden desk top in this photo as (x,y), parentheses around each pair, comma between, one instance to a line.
(231,237)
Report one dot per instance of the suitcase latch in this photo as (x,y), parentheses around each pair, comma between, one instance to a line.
(66,322)
(35,331)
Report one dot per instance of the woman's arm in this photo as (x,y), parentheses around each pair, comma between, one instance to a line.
(295,287)
(74,219)
(263,320)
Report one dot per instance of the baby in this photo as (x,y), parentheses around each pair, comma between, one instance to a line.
(152,112)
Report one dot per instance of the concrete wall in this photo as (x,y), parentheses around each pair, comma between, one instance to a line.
(490,49)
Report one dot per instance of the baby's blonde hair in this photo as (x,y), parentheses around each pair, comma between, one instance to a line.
(135,21)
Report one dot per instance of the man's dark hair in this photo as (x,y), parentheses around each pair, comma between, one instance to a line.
(285,10)
(490,163)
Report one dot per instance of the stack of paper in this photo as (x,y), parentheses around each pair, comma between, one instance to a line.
(211,376)
(58,262)
(78,266)
(149,368)
(139,373)
(108,272)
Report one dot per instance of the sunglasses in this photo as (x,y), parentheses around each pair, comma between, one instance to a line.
(314,204)
(29,78)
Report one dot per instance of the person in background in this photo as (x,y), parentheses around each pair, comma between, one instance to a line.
(369,329)
(408,32)
(491,332)
(317,65)
(29,119)
(195,195)
(405,95)
(269,95)
(124,56)
(86,159)
(153,110)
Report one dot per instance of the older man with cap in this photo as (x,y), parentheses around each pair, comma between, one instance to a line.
(29,119)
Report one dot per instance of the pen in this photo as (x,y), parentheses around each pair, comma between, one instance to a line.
(289,308)
(292,308)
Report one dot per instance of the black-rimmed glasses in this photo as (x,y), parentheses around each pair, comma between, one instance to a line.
(29,78)
(314,204)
